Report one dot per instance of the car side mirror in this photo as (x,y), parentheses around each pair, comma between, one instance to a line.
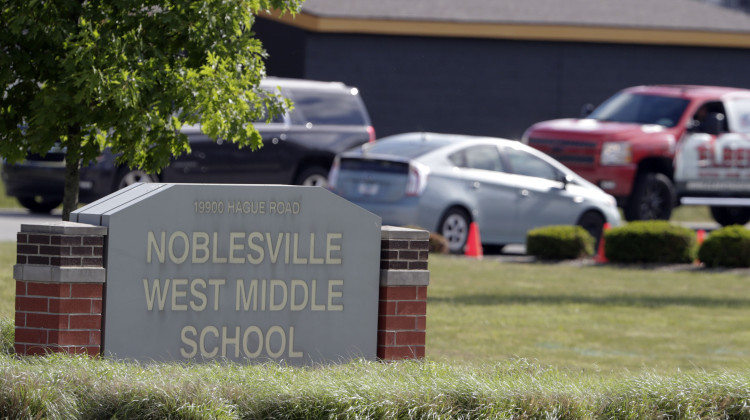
(586,110)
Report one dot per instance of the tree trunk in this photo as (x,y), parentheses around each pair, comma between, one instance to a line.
(72,172)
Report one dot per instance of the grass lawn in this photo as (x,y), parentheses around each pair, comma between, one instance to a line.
(587,317)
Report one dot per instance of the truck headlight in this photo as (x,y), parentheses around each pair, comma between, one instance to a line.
(616,153)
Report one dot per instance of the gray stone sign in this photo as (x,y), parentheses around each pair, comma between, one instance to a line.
(240,272)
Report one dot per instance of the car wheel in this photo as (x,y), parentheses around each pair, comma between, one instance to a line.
(593,222)
(131,176)
(313,176)
(455,229)
(39,204)
(727,216)
(653,198)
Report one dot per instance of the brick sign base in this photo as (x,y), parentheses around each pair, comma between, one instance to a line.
(60,284)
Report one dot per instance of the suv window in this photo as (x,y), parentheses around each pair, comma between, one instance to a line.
(327,107)
(641,109)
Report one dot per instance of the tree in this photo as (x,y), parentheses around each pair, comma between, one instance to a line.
(127,74)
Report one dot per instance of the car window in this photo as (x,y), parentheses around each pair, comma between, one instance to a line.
(485,157)
(523,163)
(324,107)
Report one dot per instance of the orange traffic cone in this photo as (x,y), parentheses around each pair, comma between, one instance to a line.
(600,256)
(474,243)
(700,235)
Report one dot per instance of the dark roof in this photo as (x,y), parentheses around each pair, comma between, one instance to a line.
(686,22)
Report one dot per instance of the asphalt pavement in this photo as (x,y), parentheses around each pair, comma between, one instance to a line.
(12,219)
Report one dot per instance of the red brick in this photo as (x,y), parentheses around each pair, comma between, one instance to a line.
(27,249)
(20,349)
(386,308)
(20,319)
(49,321)
(53,250)
(395,244)
(93,262)
(398,293)
(89,290)
(32,304)
(417,265)
(70,306)
(82,251)
(20,288)
(421,323)
(396,353)
(412,308)
(38,239)
(74,338)
(48,289)
(65,240)
(408,255)
(386,338)
(37,350)
(85,322)
(405,338)
(29,335)
(96,306)
(397,323)
(94,240)
(421,292)
(35,259)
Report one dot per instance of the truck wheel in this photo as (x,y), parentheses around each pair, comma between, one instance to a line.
(727,216)
(455,229)
(593,222)
(39,204)
(313,176)
(653,198)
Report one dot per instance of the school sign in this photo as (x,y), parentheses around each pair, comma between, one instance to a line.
(239,272)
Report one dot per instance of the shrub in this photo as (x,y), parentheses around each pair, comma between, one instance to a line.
(559,242)
(650,241)
(726,247)
(438,244)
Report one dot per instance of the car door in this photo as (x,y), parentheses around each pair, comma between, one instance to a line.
(488,186)
(543,198)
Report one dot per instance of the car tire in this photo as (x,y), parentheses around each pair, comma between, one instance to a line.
(313,176)
(129,177)
(39,204)
(454,227)
(593,222)
(653,197)
(727,216)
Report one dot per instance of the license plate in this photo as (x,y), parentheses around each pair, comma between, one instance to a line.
(368,188)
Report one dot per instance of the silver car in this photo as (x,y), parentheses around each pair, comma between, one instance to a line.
(444,182)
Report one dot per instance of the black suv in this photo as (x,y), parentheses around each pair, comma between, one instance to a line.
(298,148)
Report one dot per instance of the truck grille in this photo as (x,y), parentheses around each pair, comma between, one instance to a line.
(568,152)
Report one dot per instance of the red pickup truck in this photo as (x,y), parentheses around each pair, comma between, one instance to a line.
(628,144)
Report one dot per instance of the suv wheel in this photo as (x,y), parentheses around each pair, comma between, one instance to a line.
(39,204)
(313,176)
(653,198)
(727,216)
(131,176)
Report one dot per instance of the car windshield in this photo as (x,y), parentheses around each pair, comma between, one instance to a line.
(407,148)
(641,109)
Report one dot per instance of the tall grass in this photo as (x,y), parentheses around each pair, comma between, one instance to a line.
(76,387)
